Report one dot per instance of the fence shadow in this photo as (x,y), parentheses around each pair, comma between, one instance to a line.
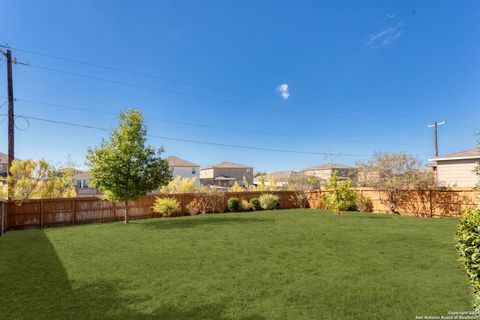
(200,220)
(35,285)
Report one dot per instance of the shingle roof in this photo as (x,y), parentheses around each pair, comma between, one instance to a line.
(326,166)
(228,164)
(4,157)
(467,153)
(81,175)
(177,162)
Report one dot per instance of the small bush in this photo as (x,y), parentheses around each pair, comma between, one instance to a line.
(340,197)
(468,246)
(233,204)
(269,201)
(166,206)
(255,204)
(245,205)
(299,199)
(364,204)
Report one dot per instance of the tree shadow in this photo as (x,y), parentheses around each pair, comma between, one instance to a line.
(35,285)
(192,222)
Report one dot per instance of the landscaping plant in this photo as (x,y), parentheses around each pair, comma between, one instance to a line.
(245,205)
(166,206)
(364,204)
(340,197)
(269,201)
(180,185)
(233,204)
(255,204)
(123,168)
(207,200)
(468,246)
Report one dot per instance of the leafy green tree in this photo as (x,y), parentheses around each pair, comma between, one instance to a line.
(340,197)
(123,167)
(38,180)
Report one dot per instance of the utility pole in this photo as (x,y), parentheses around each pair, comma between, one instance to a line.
(11,118)
(435,134)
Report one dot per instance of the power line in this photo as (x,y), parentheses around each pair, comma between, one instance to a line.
(202,85)
(190,83)
(197,141)
(63,106)
(248,105)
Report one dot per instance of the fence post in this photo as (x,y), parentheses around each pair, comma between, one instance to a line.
(182,201)
(430,202)
(2,222)
(41,213)
(74,211)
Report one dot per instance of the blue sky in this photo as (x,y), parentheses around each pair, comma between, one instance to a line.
(342,77)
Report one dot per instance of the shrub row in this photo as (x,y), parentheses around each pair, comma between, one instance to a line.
(212,202)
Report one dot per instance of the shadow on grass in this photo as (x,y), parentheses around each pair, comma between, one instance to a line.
(35,285)
(196,221)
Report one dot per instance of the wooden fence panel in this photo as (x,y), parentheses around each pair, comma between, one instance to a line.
(54,212)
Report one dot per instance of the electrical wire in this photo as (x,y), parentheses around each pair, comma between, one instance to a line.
(236,146)
(98,111)
(247,105)
(197,84)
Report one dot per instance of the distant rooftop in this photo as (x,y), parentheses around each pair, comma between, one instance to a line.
(326,166)
(178,162)
(467,154)
(4,157)
(228,164)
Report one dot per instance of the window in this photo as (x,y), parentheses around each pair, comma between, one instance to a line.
(194,171)
(85,183)
(248,170)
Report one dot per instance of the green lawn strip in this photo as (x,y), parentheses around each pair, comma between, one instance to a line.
(286,264)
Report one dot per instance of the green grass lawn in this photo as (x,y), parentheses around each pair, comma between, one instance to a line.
(290,264)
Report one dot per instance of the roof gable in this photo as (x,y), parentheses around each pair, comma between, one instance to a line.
(178,162)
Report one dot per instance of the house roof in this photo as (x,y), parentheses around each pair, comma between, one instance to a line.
(4,157)
(178,162)
(228,164)
(467,154)
(327,166)
(81,175)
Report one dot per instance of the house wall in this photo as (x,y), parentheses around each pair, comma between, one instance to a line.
(237,173)
(187,172)
(458,173)
(3,169)
(206,173)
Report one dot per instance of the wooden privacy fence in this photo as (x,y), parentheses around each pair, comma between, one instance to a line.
(71,211)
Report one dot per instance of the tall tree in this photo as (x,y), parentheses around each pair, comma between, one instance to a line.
(392,175)
(123,167)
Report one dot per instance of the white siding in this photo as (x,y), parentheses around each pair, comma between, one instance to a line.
(187,172)
(457,173)
(206,173)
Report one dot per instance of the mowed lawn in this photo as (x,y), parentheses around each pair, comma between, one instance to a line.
(290,264)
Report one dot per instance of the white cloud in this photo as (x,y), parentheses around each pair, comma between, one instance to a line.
(283,91)
(385,37)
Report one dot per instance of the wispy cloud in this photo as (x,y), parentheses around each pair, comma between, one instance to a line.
(283,91)
(387,35)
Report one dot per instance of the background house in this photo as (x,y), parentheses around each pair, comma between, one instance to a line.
(4,164)
(224,174)
(326,170)
(183,168)
(82,184)
(456,169)
(278,178)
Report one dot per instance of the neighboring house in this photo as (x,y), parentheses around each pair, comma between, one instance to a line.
(456,169)
(326,170)
(82,184)
(279,178)
(4,164)
(183,168)
(224,174)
